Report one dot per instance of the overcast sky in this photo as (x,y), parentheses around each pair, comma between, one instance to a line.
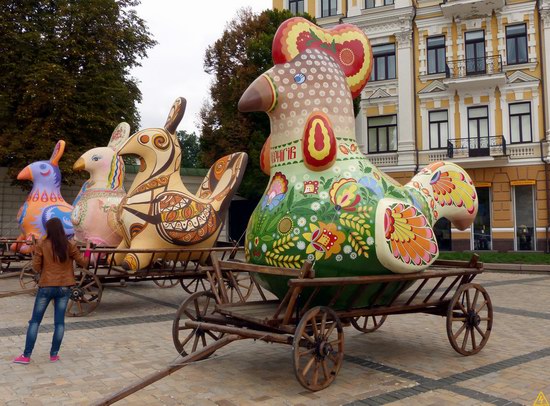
(174,67)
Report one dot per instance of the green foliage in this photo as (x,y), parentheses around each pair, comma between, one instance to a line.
(65,74)
(235,60)
(190,149)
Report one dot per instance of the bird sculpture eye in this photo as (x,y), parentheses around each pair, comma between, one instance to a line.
(96,158)
(43,166)
(299,78)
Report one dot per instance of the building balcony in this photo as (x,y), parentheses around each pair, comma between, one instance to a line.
(384,159)
(494,146)
(475,73)
(464,9)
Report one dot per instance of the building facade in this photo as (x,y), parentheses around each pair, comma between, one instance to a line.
(466,81)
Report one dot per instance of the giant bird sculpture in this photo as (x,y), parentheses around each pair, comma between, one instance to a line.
(96,205)
(159,211)
(325,201)
(44,200)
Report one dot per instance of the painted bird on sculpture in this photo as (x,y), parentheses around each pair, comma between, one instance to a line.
(44,200)
(325,200)
(159,211)
(96,205)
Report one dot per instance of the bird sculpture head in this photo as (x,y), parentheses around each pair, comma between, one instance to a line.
(45,174)
(308,93)
(106,168)
(158,149)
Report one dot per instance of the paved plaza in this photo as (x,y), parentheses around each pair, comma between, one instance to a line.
(409,361)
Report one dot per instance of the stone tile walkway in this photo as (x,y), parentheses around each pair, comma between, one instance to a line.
(407,362)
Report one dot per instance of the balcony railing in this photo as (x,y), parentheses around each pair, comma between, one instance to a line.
(476,147)
(463,68)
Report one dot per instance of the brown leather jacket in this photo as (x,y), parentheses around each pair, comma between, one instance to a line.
(54,273)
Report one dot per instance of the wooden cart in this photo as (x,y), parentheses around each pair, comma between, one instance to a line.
(206,321)
(190,268)
(11,261)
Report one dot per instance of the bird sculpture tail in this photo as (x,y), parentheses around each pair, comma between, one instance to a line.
(449,191)
(405,239)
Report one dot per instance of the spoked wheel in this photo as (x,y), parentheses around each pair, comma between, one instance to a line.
(196,307)
(368,324)
(318,348)
(194,285)
(469,319)
(28,279)
(85,295)
(239,286)
(166,283)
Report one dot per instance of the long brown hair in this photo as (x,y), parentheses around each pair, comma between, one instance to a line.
(56,234)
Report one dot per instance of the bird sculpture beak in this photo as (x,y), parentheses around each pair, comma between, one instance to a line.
(260,96)
(25,174)
(79,165)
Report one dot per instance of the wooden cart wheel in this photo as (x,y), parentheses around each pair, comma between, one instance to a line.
(28,279)
(469,319)
(318,348)
(85,295)
(188,340)
(194,285)
(239,286)
(166,283)
(368,324)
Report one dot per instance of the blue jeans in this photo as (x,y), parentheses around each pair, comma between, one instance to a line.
(60,296)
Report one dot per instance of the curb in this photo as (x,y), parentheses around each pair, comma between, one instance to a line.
(516,268)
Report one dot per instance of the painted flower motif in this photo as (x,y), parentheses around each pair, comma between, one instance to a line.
(343,194)
(347,249)
(313,219)
(323,195)
(450,188)
(339,257)
(370,240)
(311,187)
(301,245)
(256,241)
(336,169)
(285,225)
(298,186)
(344,149)
(352,168)
(306,176)
(353,255)
(276,192)
(315,206)
(296,231)
(372,185)
(324,239)
(302,221)
(264,247)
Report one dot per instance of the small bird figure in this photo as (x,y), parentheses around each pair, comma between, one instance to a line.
(96,205)
(325,201)
(44,201)
(159,211)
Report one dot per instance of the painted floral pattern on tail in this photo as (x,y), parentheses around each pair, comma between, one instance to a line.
(408,239)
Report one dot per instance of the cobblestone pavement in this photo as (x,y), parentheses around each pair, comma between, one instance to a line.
(408,361)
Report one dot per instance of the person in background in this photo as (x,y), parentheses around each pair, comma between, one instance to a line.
(53,259)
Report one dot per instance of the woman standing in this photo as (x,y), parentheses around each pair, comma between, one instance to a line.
(53,260)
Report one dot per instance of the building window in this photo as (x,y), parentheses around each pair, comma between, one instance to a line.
(384,62)
(478,131)
(296,6)
(524,202)
(439,129)
(436,54)
(369,4)
(475,52)
(516,44)
(388,2)
(482,222)
(442,231)
(329,8)
(520,122)
(382,134)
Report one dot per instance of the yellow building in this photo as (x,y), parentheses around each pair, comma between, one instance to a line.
(466,81)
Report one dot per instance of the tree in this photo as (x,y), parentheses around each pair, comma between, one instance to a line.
(65,74)
(235,60)
(190,149)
